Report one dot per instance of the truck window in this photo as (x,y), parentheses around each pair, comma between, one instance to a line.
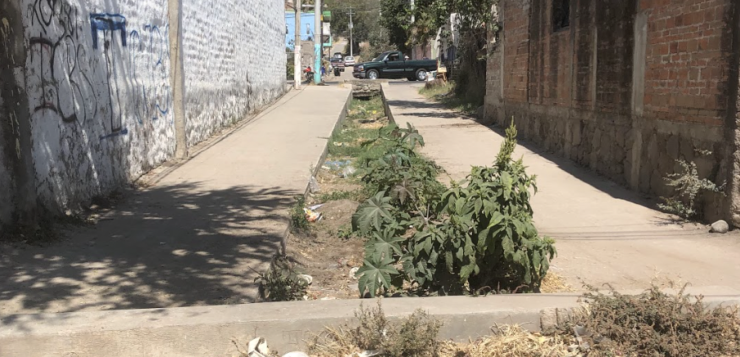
(394,57)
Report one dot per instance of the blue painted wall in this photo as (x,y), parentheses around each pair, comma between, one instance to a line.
(307,27)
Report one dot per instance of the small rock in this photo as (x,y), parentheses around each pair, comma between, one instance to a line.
(720,227)
(307,278)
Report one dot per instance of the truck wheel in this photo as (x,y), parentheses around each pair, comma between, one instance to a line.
(372,74)
(421,75)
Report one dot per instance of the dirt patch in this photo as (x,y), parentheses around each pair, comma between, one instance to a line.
(329,252)
(373,124)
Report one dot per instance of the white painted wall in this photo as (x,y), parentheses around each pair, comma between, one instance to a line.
(234,60)
(98,84)
(97,76)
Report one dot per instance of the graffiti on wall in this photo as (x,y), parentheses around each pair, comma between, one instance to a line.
(57,59)
(100,78)
(112,26)
(150,47)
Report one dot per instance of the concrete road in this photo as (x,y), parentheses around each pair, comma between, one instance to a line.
(605,233)
(197,235)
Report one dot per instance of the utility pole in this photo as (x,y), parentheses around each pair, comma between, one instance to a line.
(297,68)
(318,43)
(351,26)
(178,78)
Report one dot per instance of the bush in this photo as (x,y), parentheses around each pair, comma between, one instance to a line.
(298,221)
(657,324)
(415,335)
(281,282)
(687,186)
(477,236)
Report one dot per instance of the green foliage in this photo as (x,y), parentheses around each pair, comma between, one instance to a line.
(281,282)
(298,221)
(395,18)
(687,186)
(478,235)
(407,178)
(289,64)
(372,213)
(375,274)
(346,141)
(447,95)
(340,195)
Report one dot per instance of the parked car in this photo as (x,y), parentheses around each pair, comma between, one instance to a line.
(349,61)
(392,64)
(337,65)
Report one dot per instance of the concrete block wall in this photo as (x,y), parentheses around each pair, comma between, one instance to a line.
(92,81)
(234,61)
(98,85)
(626,89)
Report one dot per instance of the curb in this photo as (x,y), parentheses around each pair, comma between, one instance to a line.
(210,330)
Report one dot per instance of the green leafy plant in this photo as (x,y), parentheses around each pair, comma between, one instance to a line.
(477,236)
(340,195)
(298,221)
(371,214)
(687,185)
(281,281)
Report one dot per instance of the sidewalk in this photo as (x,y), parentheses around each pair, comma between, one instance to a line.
(604,232)
(193,237)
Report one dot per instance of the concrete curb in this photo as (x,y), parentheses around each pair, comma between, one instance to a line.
(388,110)
(210,330)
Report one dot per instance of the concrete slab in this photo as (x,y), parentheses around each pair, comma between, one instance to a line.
(604,232)
(209,330)
(197,235)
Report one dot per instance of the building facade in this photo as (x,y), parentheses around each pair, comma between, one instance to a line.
(624,88)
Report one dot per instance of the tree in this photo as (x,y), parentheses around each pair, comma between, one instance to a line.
(396,18)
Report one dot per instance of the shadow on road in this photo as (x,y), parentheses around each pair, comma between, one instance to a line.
(163,247)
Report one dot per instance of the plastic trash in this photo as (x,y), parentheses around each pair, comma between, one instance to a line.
(312,216)
(258,348)
(336,165)
(348,171)
(313,185)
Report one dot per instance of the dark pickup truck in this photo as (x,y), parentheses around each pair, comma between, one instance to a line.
(393,65)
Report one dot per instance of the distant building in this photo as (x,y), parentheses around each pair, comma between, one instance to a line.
(306,31)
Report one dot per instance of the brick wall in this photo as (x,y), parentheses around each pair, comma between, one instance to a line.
(626,89)
(687,62)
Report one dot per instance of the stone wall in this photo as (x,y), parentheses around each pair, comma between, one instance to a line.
(94,80)
(626,89)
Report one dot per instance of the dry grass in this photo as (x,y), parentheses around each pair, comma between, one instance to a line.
(554,283)
(511,341)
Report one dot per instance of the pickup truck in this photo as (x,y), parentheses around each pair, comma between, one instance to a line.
(392,64)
